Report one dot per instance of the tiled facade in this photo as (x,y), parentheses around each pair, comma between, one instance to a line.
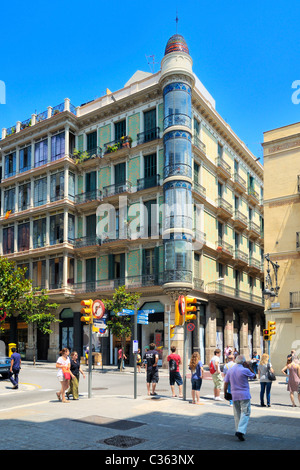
(58,172)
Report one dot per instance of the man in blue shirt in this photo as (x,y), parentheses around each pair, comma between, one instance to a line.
(238,378)
(15,366)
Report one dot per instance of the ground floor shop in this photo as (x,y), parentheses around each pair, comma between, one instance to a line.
(218,325)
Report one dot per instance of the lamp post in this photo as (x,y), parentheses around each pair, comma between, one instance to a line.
(269,291)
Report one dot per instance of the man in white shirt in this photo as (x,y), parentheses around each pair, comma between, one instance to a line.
(217,375)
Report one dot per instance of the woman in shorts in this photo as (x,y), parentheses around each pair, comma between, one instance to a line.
(196,368)
(63,366)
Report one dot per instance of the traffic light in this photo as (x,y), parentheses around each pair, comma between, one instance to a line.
(172,330)
(179,318)
(87,311)
(271,328)
(266,335)
(191,306)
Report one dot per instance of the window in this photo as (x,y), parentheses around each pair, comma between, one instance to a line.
(9,200)
(120,174)
(57,186)
(196,172)
(8,240)
(178,200)
(90,181)
(24,196)
(58,146)
(39,274)
(41,153)
(40,192)
(23,237)
(178,259)
(56,273)
(120,129)
(71,228)
(177,105)
(25,159)
(178,154)
(10,165)
(71,186)
(56,229)
(150,132)
(91,141)
(39,233)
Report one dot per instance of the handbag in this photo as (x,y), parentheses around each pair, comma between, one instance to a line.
(270,375)
(66,373)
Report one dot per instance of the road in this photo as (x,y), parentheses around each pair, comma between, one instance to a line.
(34,418)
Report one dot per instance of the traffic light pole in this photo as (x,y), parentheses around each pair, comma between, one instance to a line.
(184,360)
(134,355)
(90,360)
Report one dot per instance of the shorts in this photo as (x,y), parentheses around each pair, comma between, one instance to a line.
(152,376)
(175,377)
(61,378)
(196,384)
(217,380)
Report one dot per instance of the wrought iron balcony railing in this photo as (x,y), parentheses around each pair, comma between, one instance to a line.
(147,136)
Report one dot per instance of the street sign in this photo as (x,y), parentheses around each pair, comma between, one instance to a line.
(190,326)
(146,311)
(181,304)
(142,322)
(127,311)
(98,309)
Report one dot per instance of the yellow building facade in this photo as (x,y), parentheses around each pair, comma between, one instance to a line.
(282,231)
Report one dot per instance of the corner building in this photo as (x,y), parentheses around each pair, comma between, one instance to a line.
(146,187)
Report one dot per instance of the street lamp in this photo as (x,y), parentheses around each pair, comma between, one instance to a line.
(271,292)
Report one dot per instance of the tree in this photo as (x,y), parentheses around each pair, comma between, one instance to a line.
(17,296)
(120,326)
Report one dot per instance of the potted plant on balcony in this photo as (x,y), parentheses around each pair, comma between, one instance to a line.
(126,141)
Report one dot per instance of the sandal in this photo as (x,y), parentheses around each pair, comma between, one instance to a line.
(58,396)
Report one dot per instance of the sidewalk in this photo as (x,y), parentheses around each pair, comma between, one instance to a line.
(117,423)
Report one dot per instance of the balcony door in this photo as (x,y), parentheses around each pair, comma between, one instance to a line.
(90,274)
(91,228)
(150,125)
(90,181)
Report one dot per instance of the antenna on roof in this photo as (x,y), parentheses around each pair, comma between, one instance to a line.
(151,64)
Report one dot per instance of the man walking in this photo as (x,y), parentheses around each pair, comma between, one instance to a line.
(238,378)
(151,358)
(15,366)
(174,374)
(216,374)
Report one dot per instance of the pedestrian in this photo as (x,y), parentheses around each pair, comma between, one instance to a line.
(216,374)
(15,366)
(235,353)
(151,365)
(238,377)
(64,374)
(227,351)
(293,371)
(139,360)
(228,366)
(121,359)
(265,383)
(196,368)
(255,362)
(75,368)
(174,374)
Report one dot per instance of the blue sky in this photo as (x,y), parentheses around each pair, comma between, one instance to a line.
(245,53)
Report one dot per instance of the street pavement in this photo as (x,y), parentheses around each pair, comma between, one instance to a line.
(119,424)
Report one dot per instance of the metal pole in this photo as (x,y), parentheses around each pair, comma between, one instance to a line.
(184,360)
(90,360)
(169,335)
(134,355)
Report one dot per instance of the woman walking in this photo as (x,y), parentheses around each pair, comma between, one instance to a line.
(74,382)
(196,368)
(293,372)
(265,383)
(64,375)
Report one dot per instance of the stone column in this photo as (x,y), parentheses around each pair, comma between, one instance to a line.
(228,328)
(256,335)
(244,348)
(210,331)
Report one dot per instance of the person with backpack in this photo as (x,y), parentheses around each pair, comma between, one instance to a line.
(215,370)
(196,368)
(175,377)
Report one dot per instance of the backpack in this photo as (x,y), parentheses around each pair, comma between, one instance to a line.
(172,365)
(212,369)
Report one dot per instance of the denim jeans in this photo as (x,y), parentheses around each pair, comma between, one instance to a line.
(265,387)
(15,381)
(241,412)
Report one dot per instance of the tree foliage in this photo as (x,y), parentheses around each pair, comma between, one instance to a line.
(18,297)
(121,326)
